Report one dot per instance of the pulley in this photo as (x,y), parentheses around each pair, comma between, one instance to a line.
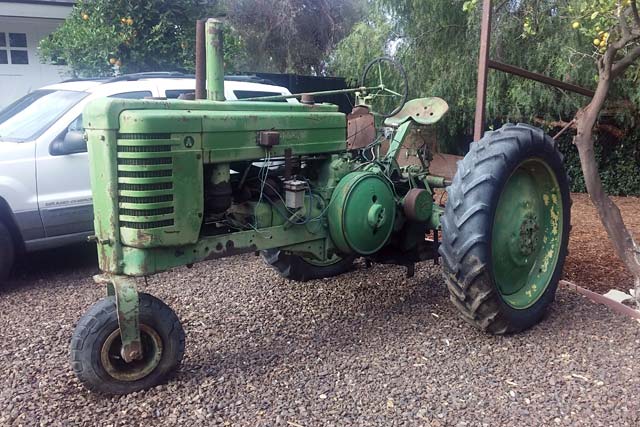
(361,213)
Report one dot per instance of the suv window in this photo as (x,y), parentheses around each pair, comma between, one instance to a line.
(77,125)
(22,103)
(244,94)
(132,95)
(31,115)
(175,93)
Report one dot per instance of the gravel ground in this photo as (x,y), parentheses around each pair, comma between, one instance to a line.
(370,348)
(589,245)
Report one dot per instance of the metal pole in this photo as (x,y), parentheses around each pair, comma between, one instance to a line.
(483,69)
(510,69)
(215,61)
(201,61)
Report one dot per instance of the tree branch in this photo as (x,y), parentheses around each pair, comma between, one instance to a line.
(565,126)
(634,10)
(628,34)
(622,19)
(619,67)
(500,6)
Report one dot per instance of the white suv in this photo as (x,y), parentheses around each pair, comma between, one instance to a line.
(45,194)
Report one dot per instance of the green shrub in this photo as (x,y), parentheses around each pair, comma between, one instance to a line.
(618,162)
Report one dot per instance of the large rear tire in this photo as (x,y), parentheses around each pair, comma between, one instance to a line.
(7,253)
(294,267)
(505,229)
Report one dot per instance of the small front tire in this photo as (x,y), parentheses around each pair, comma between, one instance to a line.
(95,347)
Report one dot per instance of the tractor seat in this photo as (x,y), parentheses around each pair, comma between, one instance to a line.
(423,111)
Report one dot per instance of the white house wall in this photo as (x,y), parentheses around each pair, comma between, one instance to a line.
(35,10)
(16,80)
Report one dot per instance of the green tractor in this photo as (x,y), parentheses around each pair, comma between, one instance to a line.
(177,182)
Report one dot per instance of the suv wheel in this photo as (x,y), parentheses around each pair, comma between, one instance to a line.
(7,252)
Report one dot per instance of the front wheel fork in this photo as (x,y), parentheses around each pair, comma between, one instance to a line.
(127,304)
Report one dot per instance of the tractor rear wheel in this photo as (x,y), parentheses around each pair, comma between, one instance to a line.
(294,267)
(505,229)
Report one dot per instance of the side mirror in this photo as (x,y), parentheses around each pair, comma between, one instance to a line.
(73,142)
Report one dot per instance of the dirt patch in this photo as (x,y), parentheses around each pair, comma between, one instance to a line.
(592,263)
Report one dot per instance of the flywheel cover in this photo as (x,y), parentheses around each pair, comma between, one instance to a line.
(361,213)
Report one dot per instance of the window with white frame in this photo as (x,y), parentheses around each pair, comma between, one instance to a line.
(13,49)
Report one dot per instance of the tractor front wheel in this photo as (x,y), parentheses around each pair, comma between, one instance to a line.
(505,229)
(96,345)
(297,268)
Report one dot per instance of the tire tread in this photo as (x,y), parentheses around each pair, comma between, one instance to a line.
(464,247)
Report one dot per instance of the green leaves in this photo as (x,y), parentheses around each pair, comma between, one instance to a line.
(159,35)
(618,162)
(292,35)
(438,44)
(101,37)
(469,5)
(599,21)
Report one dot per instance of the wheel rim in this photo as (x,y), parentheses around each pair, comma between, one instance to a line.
(527,234)
(115,365)
(334,259)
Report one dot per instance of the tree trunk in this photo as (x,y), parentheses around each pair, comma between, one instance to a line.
(622,240)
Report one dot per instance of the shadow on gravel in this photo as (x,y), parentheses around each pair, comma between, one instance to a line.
(68,262)
(360,315)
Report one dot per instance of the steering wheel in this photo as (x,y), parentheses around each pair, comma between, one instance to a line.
(385,99)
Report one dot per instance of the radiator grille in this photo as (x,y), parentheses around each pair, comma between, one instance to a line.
(152,199)
(146,212)
(144,136)
(145,185)
(145,174)
(145,162)
(143,148)
(146,225)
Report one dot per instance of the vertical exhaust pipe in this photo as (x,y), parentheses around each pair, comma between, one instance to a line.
(215,60)
(201,61)
(219,194)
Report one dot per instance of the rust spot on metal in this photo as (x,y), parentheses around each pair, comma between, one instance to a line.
(361,129)
(412,204)
(142,238)
(444,165)
(307,99)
